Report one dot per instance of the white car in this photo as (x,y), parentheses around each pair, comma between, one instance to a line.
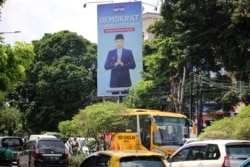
(211,153)
(190,140)
(44,136)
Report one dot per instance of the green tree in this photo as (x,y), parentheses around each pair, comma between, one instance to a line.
(59,81)
(146,95)
(1,4)
(14,60)
(196,35)
(13,63)
(234,41)
(221,129)
(242,122)
(95,119)
(66,129)
(230,128)
(9,119)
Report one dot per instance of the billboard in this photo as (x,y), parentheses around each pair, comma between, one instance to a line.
(119,47)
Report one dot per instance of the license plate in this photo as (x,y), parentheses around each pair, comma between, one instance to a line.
(53,158)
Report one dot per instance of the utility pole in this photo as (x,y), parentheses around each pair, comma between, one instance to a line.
(200,115)
(191,95)
(198,105)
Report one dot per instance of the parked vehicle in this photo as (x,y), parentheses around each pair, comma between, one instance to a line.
(56,134)
(46,152)
(15,143)
(42,136)
(245,163)
(211,153)
(125,158)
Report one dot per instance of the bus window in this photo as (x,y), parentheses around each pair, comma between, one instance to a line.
(157,138)
(145,130)
(171,129)
(130,124)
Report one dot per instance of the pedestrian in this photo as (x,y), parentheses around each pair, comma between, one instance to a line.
(74,145)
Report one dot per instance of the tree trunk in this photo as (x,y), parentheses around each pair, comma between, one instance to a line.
(178,90)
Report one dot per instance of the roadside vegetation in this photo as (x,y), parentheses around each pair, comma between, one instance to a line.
(75,160)
(230,128)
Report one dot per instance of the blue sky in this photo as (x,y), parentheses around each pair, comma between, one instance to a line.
(34,18)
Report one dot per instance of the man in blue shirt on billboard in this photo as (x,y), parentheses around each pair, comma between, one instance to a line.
(120,61)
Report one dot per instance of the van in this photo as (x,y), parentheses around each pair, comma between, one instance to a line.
(56,134)
(45,136)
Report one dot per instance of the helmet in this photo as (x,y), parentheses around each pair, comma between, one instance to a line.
(5,144)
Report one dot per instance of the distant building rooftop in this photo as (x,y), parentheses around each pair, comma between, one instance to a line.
(148,19)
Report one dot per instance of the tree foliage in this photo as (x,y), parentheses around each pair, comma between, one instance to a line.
(242,122)
(13,63)
(66,130)
(202,35)
(59,80)
(230,128)
(1,2)
(95,119)
(14,60)
(137,92)
(146,95)
(9,120)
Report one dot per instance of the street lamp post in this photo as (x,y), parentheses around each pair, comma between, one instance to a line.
(9,32)
(105,1)
(85,4)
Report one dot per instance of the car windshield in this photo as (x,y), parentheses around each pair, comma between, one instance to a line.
(238,151)
(50,143)
(141,162)
(13,143)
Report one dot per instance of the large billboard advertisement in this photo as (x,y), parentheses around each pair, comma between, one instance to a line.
(119,47)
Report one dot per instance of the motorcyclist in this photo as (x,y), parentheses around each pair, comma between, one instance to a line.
(6,155)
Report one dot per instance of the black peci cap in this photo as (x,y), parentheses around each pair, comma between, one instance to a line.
(119,36)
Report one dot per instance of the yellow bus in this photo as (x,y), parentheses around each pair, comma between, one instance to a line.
(154,130)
